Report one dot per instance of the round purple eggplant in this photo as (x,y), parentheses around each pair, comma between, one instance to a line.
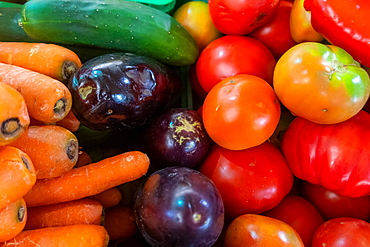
(179,207)
(177,137)
(121,90)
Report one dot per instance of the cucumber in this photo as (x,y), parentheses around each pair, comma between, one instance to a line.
(111,24)
(10,20)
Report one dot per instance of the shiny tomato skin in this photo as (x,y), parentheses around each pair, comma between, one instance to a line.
(321,83)
(300,24)
(331,205)
(233,54)
(194,16)
(241,17)
(300,214)
(335,156)
(260,231)
(252,180)
(240,112)
(342,232)
(276,34)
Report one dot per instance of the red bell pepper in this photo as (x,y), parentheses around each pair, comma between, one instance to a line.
(343,23)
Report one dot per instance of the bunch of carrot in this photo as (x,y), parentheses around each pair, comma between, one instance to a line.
(51,193)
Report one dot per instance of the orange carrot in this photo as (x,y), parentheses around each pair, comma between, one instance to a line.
(89,180)
(17,174)
(81,211)
(70,122)
(52,149)
(52,60)
(120,222)
(48,100)
(14,118)
(83,159)
(109,198)
(13,218)
(69,236)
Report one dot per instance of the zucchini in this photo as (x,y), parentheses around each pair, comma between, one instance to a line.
(126,26)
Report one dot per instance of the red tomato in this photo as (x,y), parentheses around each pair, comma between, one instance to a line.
(231,55)
(240,112)
(239,16)
(299,214)
(275,34)
(335,156)
(321,83)
(331,205)
(260,231)
(253,180)
(341,232)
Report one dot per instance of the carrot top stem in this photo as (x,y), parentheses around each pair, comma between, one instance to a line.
(11,127)
(72,149)
(68,69)
(60,106)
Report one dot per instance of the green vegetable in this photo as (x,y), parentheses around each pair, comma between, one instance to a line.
(111,24)
(10,20)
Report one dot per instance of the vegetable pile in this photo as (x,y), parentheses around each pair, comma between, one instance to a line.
(184,123)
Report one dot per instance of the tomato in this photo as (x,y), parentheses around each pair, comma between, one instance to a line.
(260,231)
(275,34)
(331,205)
(340,232)
(240,112)
(321,83)
(252,180)
(300,214)
(230,55)
(335,156)
(241,17)
(300,24)
(195,18)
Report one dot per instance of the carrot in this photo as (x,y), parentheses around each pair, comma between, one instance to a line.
(120,222)
(70,122)
(52,149)
(81,211)
(109,198)
(68,236)
(14,118)
(13,219)
(52,60)
(48,100)
(17,174)
(89,180)
(84,158)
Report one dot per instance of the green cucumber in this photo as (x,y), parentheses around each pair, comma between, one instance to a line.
(111,24)
(10,20)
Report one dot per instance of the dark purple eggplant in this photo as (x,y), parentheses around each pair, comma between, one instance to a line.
(179,207)
(122,90)
(176,137)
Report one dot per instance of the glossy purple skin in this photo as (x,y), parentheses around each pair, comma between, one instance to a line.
(121,90)
(177,137)
(179,206)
